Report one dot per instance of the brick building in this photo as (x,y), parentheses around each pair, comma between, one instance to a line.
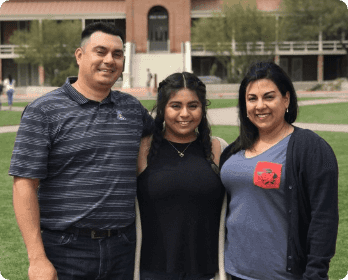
(157,37)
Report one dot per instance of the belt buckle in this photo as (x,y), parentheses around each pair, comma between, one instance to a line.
(94,236)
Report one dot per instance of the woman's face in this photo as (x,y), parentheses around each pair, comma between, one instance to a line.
(182,115)
(265,105)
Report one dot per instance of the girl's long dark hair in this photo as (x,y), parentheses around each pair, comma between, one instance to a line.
(248,132)
(166,89)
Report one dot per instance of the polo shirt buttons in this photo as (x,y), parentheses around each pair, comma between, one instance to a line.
(290,211)
(290,257)
(290,187)
(289,268)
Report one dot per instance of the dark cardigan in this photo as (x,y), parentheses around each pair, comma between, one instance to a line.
(312,203)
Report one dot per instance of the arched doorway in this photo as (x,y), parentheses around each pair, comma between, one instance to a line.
(158,29)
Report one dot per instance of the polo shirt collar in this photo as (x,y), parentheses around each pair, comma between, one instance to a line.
(78,97)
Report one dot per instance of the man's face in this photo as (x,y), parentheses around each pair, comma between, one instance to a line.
(100,60)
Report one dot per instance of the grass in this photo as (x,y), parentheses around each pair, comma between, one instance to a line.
(13,256)
(20,104)
(148,104)
(312,98)
(334,113)
(10,118)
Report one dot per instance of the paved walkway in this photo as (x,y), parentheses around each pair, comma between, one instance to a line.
(229,116)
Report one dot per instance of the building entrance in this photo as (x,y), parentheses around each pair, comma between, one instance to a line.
(158,29)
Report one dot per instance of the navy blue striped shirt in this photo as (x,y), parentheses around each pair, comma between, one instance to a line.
(84,153)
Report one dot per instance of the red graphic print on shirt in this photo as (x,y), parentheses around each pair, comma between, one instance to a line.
(267,175)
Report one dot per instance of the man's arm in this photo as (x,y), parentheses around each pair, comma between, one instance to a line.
(26,207)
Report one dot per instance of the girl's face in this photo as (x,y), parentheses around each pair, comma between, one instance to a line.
(182,115)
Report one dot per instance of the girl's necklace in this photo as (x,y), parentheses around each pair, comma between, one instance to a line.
(181,154)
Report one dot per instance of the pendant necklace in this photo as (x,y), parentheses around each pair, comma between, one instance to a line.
(181,154)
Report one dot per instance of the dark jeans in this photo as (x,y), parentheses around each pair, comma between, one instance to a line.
(148,275)
(10,97)
(82,258)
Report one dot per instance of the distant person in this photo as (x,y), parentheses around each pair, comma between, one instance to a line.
(180,193)
(148,82)
(283,186)
(9,85)
(74,167)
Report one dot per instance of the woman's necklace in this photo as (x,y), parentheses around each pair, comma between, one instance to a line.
(181,154)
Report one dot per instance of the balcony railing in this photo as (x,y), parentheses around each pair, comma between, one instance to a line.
(260,48)
(7,51)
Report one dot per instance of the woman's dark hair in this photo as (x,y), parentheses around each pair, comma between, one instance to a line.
(171,85)
(248,132)
(10,78)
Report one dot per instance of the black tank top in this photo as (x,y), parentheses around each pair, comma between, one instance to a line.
(180,201)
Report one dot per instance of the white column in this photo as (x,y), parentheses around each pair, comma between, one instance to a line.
(188,58)
(83,22)
(320,40)
(127,66)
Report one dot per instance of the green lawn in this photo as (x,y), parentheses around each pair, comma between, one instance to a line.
(312,98)
(13,257)
(20,104)
(9,118)
(334,113)
(148,104)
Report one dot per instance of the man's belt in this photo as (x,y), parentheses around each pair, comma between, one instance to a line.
(97,233)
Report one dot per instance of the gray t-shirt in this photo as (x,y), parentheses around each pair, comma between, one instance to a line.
(257,227)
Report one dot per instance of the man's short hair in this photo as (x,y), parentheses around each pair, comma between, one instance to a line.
(104,27)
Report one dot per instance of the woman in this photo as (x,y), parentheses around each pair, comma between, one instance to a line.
(9,85)
(180,193)
(282,182)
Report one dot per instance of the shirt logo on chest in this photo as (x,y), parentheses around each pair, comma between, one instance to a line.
(267,175)
(120,116)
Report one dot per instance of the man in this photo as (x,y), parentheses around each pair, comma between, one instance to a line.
(148,82)
(74,166)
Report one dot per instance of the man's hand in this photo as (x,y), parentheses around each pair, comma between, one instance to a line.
(42,269)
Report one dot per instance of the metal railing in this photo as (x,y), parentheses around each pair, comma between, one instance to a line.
(280,48)
(258,48)
(7,51)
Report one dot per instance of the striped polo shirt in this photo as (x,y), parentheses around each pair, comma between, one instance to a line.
(84,153)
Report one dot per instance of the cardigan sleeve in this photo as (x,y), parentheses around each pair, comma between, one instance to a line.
(318,175)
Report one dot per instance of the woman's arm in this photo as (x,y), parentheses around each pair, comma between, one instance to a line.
(218,145)
(143,152)
(319,179)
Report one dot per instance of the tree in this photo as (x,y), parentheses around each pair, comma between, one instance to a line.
(307,19)
(240,22)
(50,44)
(313,20)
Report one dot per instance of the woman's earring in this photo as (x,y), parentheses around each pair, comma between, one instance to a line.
(287,110)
